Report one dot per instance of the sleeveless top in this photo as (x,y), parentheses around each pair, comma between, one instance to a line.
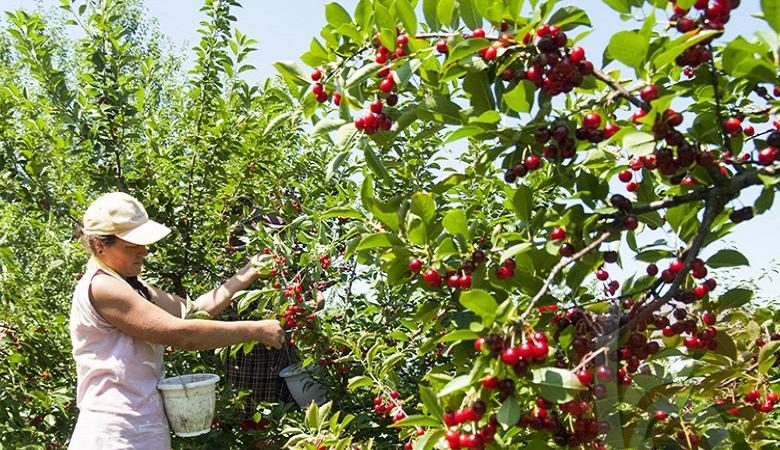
(117,378)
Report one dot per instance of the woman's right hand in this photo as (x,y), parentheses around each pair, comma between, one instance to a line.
(269,333)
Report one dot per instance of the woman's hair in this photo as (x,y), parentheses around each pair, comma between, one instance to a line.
(88,240)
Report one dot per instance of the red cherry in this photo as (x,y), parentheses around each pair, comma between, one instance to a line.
(602,274)
(401,40)
(649,92)
(772,397)
(733,125)
(592,120)
(453,280)
(441,46)
(585,376)
(625,176)
(464,281)
(558,233)
(510,356)
(387,85)
(490,382)
(749,130)
(577,54)
(676,265)
(478,33)
(532,162)
(432,278)
(604,373)
(660,415)
(376,106)
(638,114)
(316,75)
(337,98)
(610,129)
(491,53)
(415,265)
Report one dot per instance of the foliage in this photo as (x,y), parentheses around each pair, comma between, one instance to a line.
(466,193)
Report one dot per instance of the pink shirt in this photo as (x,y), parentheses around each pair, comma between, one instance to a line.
(120,406)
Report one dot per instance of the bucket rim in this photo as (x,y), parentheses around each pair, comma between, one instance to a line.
(177,382)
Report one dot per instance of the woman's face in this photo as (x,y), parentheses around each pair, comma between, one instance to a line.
(125,258)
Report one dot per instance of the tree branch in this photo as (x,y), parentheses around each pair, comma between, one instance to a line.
(620,90)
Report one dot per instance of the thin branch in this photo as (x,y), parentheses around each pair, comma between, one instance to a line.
(620,90)
(718,106)
(560,266)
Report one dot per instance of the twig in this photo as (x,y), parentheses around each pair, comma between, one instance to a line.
(718,107)
(620,90)
(560,266)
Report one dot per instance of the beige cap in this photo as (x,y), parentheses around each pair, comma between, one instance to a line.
(120,214)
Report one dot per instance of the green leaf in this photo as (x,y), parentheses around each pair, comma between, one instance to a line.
(569,17)
(344,212)
(465,49)
(509,413)
(766,356)
(469,14)
(423,206)
(673,49)
(556,385)
(456,384)
(375,164)
(727,258)
(479,302)
(523,203)
(417,420)
(764,201)
(429,400)
(359,381)
(336,15)
(518,99)
(745,59)
(448,183)
(459,335)
(327,125)
(444,10)
(628,47)
(291,71)
(408,18)
(477,88)
(621,6)
(429,440)
(430,13)
(639,143)
(378,240)
(734,298)
(362,74)
(771,10)
(456,222)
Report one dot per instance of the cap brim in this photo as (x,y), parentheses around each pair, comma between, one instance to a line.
(146,234)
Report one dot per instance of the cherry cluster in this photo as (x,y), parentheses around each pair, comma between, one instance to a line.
(584,430)
(383,407)
(556,69)
(714,15)
(458,279)
(457,439)
(534,349)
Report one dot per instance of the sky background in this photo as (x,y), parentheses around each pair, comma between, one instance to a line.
(284,30)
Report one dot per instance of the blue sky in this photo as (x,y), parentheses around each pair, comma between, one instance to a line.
(283,31)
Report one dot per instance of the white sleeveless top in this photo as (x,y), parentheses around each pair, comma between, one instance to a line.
(119,404)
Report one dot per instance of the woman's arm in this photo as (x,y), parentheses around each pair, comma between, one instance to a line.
(212,302)
(125,309)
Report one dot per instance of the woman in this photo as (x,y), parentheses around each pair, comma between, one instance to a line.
(120,325)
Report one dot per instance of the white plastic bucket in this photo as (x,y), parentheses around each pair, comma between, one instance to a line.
(189,402)
(303,388)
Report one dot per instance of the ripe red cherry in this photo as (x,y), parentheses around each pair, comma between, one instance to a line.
(441,46)
(649,92)
(566,250)
(337,98)
(685,24)
(376,106)
(604,373)
(490,382)
(733,125)
(415,265)
(638,114)
(432,278)
(602,274)
(625,176)
(464,281)
(510,356)
(772,397)
(749,130)
(585,376)
(478,33)
(660,415)
(453,280)
(316,75)
(387,85)
(558,233)
(610,129)
(532,162)
(676,265)
(577,54)
(592,120)
(491,53)
(708,318)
